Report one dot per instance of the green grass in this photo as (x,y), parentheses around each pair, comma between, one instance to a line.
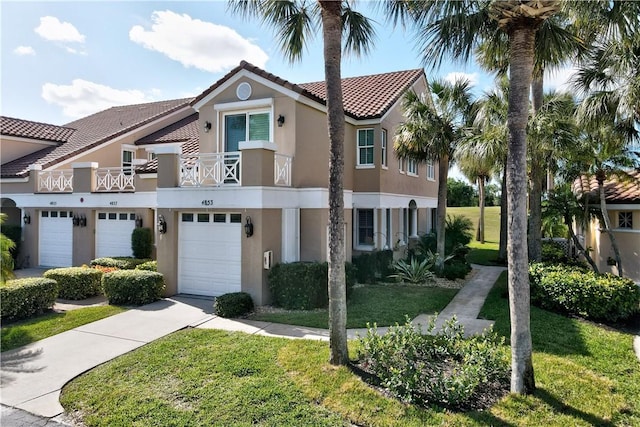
(487,253)
(27,331)
(586,375)
(384,304)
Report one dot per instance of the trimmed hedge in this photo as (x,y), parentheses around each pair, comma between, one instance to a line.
(76,283)
(22,298)
(132,287)
(234,304)
(121,262)
(142,242)
(148,266)
(304,285)
(374,266)
(580,291)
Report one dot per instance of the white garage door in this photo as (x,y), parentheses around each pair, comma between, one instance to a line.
(209,253)
(113,234)
(56,239)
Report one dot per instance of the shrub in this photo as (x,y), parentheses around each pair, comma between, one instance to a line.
(142,242)
(233,304)
(13,232)
(373,266)
(553,252)
(442,368)
(76,282)
(133,287)
(123,263)
(458,233)
(415,271)
(22,298)
(580,291)
(455,269)
(149,266)
(304,285)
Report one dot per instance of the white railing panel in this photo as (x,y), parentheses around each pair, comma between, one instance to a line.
(210,170)
(56,181)
(282,170)
(115,179)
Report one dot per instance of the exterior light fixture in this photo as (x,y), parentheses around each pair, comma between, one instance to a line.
(138,221)
(280,120)
(83,220)
(76,220)
(207,126)
(162,225)
(248,227)
(26,218)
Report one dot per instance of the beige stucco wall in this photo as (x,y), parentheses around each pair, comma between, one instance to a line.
(167,251)
(313,234)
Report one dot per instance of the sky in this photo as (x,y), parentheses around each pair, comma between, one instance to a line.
(64,60)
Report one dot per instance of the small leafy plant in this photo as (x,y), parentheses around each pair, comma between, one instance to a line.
(416,272)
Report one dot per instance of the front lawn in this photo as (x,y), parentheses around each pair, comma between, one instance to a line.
(384,304)
(27,331)
(586,375)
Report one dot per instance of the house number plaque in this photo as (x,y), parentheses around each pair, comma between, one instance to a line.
(207,202)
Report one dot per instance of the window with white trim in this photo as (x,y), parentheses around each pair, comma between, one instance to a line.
(249,126)
(625,219)
(412,167)
(365,147)
(364,227)
(127,161)
(401,165)
(431,175)
(383,146)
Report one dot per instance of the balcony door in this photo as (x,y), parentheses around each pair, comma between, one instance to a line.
(254,126)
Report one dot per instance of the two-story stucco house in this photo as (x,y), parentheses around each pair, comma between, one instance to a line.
(250,153)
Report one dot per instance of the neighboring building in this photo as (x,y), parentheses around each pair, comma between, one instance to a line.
(623,206)
(251,149)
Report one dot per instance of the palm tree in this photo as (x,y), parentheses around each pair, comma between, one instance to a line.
(454,29)
(295,22)
(6,245)
(433,128)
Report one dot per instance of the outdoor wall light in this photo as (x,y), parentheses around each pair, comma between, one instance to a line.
(207,126)
(26,218)
(280,120)
(83,221)
(248,227)
(138,221)
(162,225)
(76,220)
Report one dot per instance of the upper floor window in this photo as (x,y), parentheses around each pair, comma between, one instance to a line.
(401,165)
(383,145)
(430,170)
(127,161)
(625,219)
(253,126)
(412,167)
(365,147)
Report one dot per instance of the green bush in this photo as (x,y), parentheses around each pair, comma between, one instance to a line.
(456,269)
(121,262)
(148,266)
(142,242)
(576,290)
(76,283)
(132,287)
(234,304)
(303,285)
(416,272)
(22,298)
(553,252)
(13,232)
(435,368)
(373,266)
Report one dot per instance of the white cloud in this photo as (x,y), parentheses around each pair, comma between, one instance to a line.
(52,29)
(83,97)
(196,43)
(559,80)
(24,50)
(453,77)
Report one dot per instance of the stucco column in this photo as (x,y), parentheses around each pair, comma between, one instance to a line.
(257,163)
(168,166)
(33,177)
(84,177)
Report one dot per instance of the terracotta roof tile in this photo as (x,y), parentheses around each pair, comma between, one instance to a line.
(182,130)
(34,130)
(95,130)
(625,189)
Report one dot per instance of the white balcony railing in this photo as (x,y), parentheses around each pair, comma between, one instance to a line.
(282,170)
(56,181)
(210,170)
(115,179)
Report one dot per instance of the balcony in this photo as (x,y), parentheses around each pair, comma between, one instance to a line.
(282,170)
(210,170)
(115,180)
(56,181)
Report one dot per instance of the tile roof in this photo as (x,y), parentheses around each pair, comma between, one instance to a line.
(94,130)
(625,189)
(365,97)
(34,130)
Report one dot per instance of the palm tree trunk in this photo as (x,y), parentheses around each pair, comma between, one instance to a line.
(522,38)
(569,223)
(480,236)
(535,212)
(502,249)
(441,212)
(607,223)
(332,36)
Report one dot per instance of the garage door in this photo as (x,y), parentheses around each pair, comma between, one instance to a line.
(113,234)
(209,253)
(56,239)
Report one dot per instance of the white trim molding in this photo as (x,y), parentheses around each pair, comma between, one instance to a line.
(391,201)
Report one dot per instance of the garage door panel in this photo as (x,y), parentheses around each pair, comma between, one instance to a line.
(55,239)
(113,234)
